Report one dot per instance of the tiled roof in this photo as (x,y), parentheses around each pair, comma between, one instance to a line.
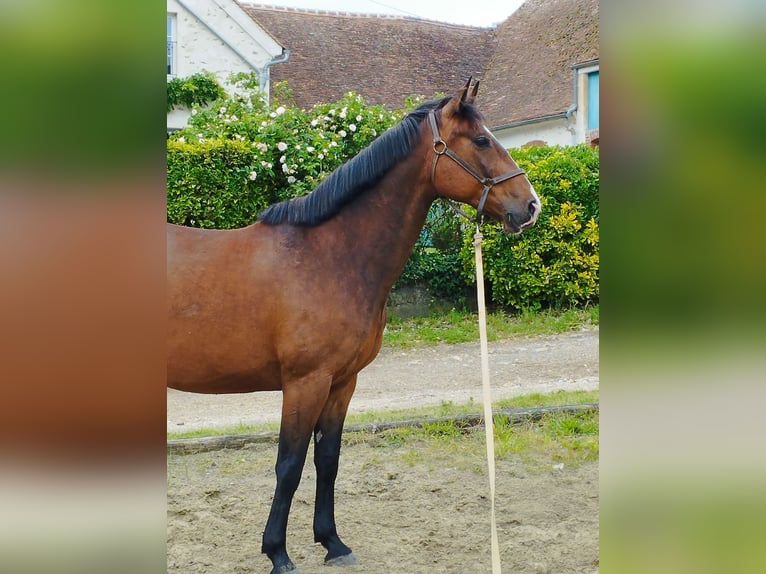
(525,64)
(530,74)
(383,58)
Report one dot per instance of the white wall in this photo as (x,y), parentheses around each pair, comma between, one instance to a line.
(216,36)
(557,131)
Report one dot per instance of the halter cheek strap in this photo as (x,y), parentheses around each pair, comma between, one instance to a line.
(441,148)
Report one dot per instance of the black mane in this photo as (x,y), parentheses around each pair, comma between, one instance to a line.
(358,174)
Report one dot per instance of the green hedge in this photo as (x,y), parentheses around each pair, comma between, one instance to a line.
(210,185)
(435,260)
(556,263)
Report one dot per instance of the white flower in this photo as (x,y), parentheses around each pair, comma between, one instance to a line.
(264,123)
(273,114)
(342,133)
(331,112)
(234,118)
(343,114)
(321,156)
(283,159)
(359,118)
(333,144)
(280,110)
(309,148)
(182,139)
(297,146)
(222,110)
(253,175)
(281,146)
(194,111)
(291,179)
(352,127)
(285,168)
(314,122)
(262,146)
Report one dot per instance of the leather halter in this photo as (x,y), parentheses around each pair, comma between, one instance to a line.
(440,149)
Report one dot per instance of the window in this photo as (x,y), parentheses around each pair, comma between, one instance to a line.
(593,101)
(171,44)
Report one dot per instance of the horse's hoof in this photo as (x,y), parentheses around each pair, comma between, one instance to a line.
(286,569)
(345,560)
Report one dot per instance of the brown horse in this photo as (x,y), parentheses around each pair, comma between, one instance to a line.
(297,301)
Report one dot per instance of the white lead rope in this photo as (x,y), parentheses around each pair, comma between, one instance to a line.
(489,429)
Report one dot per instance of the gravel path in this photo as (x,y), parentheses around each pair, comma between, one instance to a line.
(419,377)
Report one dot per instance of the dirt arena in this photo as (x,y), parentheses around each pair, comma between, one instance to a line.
(401,509)
(411,508)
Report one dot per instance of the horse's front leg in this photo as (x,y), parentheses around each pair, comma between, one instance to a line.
(301,405)
(327,440)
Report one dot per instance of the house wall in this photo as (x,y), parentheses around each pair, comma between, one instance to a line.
(197,47)
(216,36)
(556,131)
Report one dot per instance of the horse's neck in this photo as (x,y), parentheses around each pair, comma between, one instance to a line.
(381,227)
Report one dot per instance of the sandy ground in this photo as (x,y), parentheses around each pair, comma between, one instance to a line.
(432,375)
(408,509)
(421,512)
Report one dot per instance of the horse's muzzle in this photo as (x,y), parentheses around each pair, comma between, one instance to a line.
(514,222)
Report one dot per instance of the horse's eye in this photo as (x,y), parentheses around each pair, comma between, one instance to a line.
(481,141)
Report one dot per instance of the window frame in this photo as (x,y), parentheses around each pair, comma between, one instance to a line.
(172,60)
(592,121)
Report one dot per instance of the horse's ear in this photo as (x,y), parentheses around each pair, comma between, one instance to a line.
(472,95)
(454,106)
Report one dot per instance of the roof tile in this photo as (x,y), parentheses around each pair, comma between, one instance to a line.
(385,59)
(525,63)
(530,73)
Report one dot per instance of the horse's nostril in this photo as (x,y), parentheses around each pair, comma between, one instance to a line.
(532,207)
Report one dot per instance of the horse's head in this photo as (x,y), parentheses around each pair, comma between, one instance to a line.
(470,166)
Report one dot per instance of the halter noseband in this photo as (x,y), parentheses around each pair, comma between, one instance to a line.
(440,149)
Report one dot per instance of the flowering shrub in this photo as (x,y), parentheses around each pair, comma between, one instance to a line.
(556,263)
(290,152)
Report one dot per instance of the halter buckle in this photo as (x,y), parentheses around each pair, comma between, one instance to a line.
(440,147)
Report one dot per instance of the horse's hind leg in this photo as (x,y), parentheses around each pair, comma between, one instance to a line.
(300,410)
(327,439)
